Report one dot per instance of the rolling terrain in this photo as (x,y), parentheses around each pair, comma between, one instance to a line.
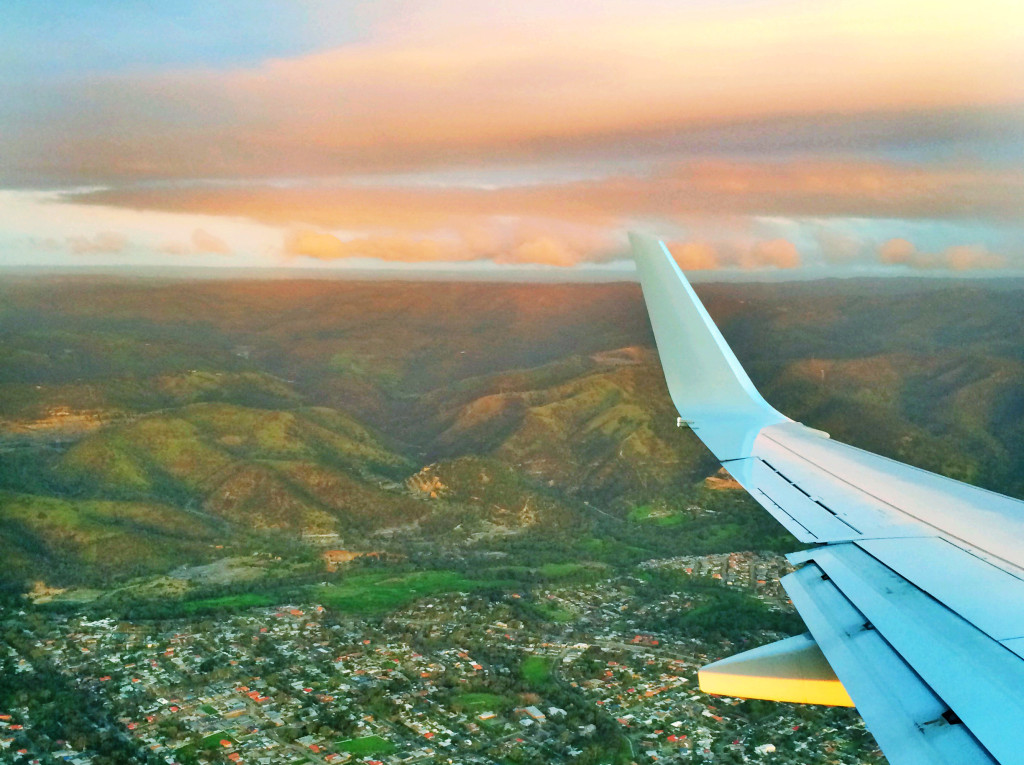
(148,424)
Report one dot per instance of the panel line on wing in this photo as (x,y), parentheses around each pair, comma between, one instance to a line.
(785,500)
(984,547)
(790,517)
(815,500)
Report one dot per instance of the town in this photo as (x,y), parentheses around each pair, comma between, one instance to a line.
(576,673)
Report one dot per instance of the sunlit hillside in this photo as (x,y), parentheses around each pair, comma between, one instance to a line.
(146,424)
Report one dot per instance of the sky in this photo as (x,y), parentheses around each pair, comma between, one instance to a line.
(800,138)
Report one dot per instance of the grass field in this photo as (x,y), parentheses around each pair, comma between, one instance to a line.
(655,516)
(381,592)
(552,613)
(483,702)
(371,593)
(367,745)
(536,670)
(213,740)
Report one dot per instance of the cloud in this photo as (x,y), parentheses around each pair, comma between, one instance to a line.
(694,256)
(836,246)
(673,190)
(970,257)
(203,241)
(501,239)
(774,253)
(897,252)
(741,254)
(103,243)
(324,246)
(545,251)
(460,91)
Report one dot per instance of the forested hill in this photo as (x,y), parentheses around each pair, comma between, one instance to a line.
(148,423)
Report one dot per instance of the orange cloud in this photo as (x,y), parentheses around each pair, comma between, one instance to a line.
(322,246)
(805,188)
(694,256)
(972,257)
(545,251)
(103,243)
(205,242)
(504,242)
(456,92)
(700,256)
(202,243)
(774,253)
(897,252)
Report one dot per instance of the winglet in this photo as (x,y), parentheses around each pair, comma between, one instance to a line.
(706,382)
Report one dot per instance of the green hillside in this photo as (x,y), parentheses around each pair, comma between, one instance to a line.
(146,424)
(55,539)
(304,470)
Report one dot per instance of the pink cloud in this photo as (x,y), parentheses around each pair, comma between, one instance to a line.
(103,243)
(461,90)
(503,240)
(775,253)
(205,242)
(969,257)
(694,256)
(324,246)
(201,243)
(543,250)
(674,191)
(897,252)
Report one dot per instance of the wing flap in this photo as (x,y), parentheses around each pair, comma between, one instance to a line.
(793,669)
(885,498)
(986,596)
(902,712)
(973,675)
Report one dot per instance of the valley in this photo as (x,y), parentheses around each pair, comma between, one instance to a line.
(182,452)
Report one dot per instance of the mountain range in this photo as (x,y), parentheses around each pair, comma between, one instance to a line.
(149,423)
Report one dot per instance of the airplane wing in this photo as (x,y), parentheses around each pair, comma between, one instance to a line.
(913,593)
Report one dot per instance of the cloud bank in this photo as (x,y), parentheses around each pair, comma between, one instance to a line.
(459,90)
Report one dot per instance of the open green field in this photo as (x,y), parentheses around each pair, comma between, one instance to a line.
(536,670)
(367,745)
(382,592)
(655,516)
(552,613)
(475,703)
(213,740)
(370,593)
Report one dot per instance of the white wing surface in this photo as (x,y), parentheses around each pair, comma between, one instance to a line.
(914,590)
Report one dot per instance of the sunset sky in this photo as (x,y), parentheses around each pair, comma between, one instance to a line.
(808,138)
